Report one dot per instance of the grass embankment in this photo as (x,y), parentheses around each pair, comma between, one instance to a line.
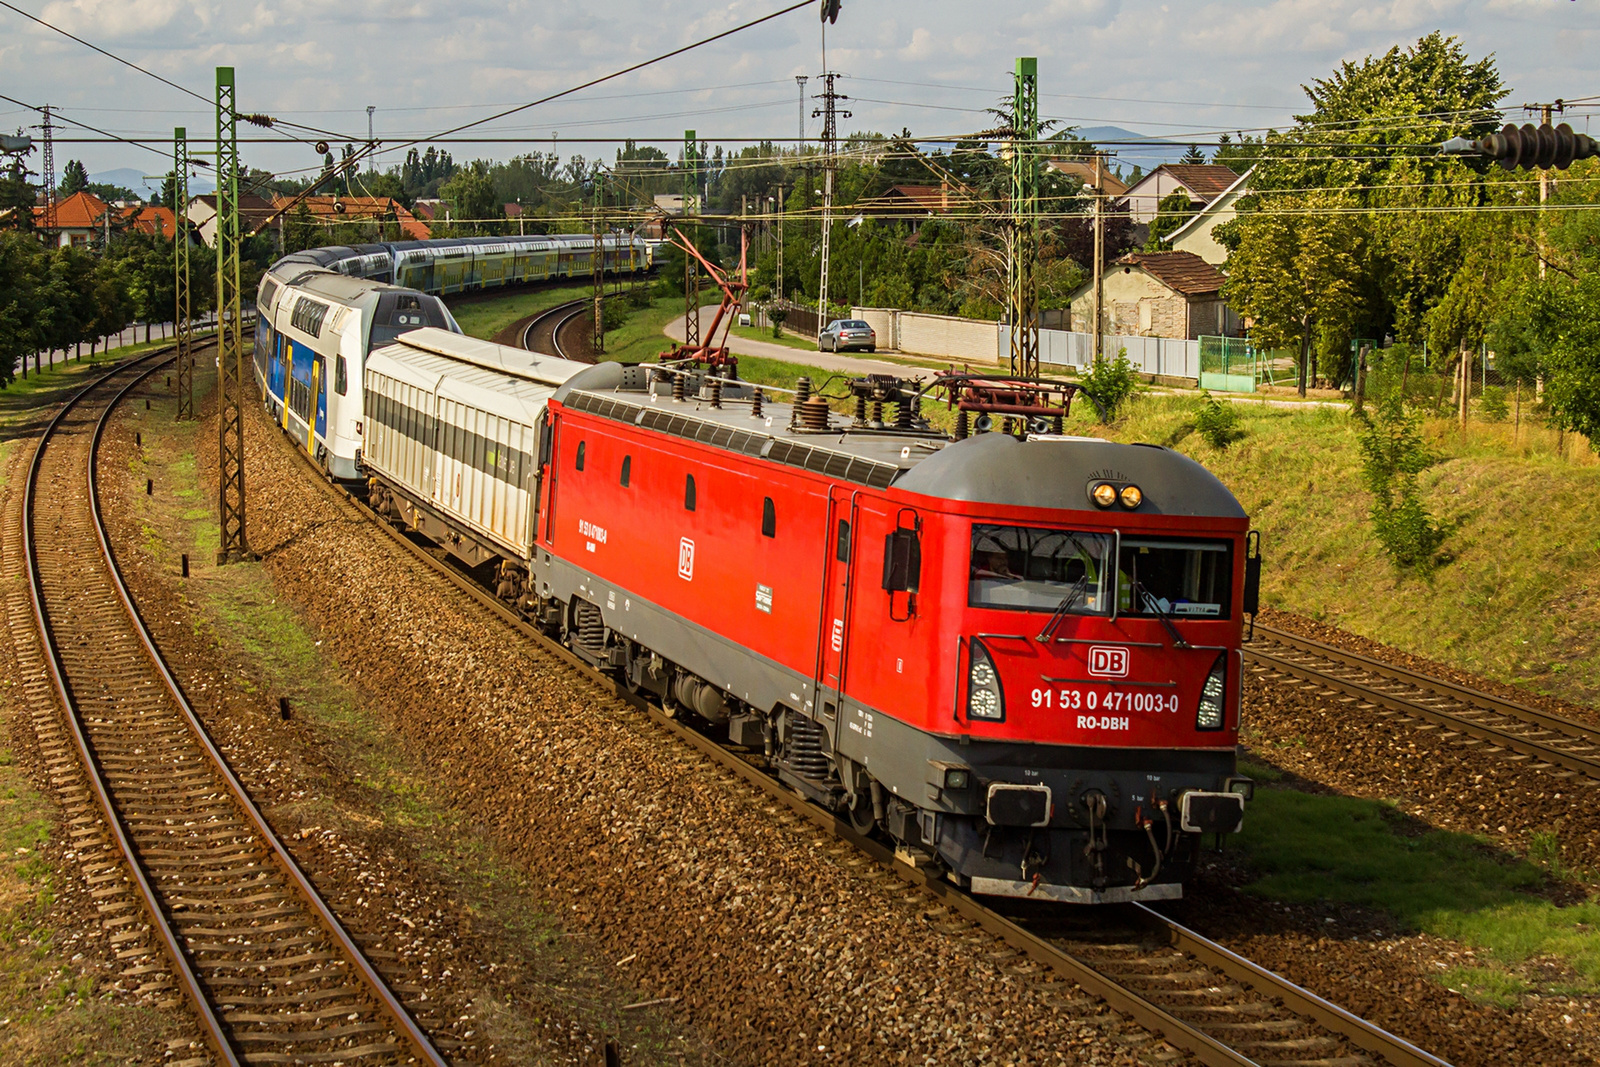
(484,316)
(1518,601)
(1332,849)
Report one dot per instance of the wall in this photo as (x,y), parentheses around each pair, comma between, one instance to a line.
(941,336)
(1166,357)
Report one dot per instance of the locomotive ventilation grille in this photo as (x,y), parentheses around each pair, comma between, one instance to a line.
(824,461)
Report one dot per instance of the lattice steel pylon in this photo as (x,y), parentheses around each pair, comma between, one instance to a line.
(49,175)
(597,267)
(182,312)
(1022,233)
(691,267)
(234,545)
(830,114)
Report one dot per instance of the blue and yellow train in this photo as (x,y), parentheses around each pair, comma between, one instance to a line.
(322,310)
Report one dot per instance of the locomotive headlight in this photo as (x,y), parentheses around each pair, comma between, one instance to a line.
(1132,496)
(985,699)
(1212,696)
(957,777)
(1104,494)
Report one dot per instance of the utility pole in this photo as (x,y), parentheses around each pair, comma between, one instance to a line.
(182,313)
(782,295)
(49,175)
(830,144)
(1023,233)
(1099,258)
(598,267)
(372,160)
(233,546)
(691,266)
(800,141)
(1545,112)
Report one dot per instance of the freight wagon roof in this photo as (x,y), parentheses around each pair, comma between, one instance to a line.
(504,381)
(992,468)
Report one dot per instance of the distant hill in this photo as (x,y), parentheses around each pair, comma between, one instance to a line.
(1151,152)
(130,178)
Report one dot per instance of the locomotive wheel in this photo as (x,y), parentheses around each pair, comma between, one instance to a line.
(861,818)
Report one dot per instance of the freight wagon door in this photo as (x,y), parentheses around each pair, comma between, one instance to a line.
(833,637)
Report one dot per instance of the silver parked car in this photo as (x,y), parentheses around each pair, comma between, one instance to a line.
(845,334)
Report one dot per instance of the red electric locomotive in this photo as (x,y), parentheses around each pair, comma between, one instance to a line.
(1017,654)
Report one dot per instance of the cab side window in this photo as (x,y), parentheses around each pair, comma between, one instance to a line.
(578,463)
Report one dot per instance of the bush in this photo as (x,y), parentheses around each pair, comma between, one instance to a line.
(776,314)
(1492,405)
(1110,383)
(1217,422)
(1392,456)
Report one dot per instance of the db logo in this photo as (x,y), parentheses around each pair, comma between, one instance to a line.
(686,559)
(1108,662)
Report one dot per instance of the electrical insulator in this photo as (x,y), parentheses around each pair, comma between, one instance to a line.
(1529,146)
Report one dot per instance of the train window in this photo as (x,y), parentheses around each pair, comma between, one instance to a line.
(627,470)
(842,546)
(902,561)
(578,464)
(769,518)
(341,376)
(1176,576)
(688,492)
(1025,568)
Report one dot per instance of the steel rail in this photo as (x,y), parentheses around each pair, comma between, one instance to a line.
(1397,1050)
(405,1025)
(1205,1048)
(573,307)
(182,969)
(1459,723)
(1442,686)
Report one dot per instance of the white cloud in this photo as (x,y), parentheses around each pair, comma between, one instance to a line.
(323,63)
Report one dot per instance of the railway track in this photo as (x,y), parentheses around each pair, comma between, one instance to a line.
(233,923)
(543,333)
(1462,715)
(1219,1007)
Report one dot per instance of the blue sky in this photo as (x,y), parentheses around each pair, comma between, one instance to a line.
(1184,70)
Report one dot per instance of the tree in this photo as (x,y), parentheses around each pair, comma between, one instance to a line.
(1386,108)
(74,179)
(21,270)
(1239,156)
(1291,274)
(471,195)
(1173,211)
(1193,156)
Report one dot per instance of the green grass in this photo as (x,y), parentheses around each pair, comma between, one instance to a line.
(639,338)
(788,340)
(1310,849)
(483,317)
(1526,555)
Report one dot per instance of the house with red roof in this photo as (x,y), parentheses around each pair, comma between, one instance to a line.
(83,219)
(1203,182)
(1158,294)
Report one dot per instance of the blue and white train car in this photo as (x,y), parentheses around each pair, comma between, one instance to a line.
(312,338)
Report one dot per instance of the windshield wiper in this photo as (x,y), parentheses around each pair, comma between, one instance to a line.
(1166,617)
(1060,613)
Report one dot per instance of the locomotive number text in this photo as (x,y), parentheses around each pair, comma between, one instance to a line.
(1094,700)
(591,531)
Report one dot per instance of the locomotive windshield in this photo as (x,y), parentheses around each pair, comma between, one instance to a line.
(1026,568)
(399,313)
(1182,577)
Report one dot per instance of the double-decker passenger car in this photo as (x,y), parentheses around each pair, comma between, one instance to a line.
(1016,655)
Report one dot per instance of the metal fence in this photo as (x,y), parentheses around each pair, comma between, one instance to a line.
(1166,356)
(1234,365)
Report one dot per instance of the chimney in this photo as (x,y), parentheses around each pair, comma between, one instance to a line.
(944,194)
